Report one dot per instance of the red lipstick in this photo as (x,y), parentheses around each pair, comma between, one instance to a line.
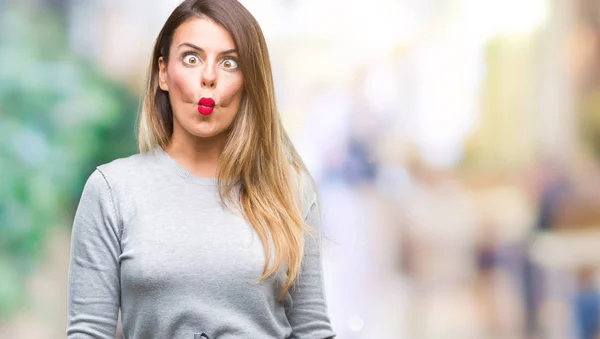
(206,106)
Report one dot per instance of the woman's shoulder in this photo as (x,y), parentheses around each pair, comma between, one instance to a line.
(307,190)
(128,168)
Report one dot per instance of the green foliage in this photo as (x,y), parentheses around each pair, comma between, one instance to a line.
(59,118)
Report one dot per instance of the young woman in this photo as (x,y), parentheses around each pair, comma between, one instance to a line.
(213,229)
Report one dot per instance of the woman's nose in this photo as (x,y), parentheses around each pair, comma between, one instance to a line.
(209,77)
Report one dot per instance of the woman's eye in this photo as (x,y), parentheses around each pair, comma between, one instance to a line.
(190,59)
(230,64)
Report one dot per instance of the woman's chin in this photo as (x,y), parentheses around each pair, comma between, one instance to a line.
(205,131)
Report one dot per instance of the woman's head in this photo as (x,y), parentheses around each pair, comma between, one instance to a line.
(202,78)
(215,48)
(212,50)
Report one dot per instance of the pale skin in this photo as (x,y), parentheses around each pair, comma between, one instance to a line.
(202,63)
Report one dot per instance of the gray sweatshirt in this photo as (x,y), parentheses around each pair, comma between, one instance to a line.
(151,238)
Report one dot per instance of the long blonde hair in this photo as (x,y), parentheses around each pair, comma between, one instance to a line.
(258,151)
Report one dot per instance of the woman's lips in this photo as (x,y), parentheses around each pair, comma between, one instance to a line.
(206,106)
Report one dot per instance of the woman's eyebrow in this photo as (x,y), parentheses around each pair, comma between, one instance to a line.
(199,49)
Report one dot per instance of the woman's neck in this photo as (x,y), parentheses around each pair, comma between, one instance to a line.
(198,155)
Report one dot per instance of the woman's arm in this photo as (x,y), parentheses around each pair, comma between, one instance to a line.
(308,312)
(94,285)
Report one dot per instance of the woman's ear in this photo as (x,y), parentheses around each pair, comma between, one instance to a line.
(162,75)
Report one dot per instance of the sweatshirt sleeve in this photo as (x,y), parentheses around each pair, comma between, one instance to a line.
(93,291)
(308,313)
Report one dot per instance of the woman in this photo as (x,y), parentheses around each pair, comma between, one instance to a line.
(212,231)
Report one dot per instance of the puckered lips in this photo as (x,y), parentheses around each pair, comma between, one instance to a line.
(206,106)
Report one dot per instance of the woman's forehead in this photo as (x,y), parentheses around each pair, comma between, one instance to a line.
(204,33)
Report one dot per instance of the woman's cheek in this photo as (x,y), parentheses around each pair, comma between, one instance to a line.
(232,90)
(186,82)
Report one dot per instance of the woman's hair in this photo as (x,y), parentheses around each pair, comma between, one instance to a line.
(258,152)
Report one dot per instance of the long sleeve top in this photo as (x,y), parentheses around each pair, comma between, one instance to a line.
(153,240)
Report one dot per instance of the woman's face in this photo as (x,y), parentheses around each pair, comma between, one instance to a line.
(202,78)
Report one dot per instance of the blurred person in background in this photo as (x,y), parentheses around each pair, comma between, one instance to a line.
(553,187)
(586,305)
(177,235)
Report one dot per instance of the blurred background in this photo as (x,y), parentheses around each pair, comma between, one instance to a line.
(456,144)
